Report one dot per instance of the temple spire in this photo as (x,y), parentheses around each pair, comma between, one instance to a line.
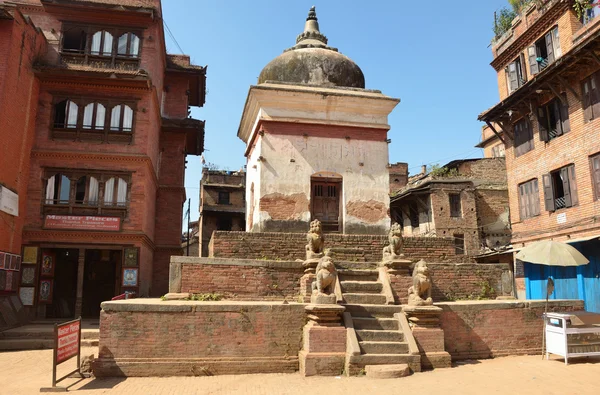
(311,37)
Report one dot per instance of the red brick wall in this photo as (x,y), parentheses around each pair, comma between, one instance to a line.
(257,280)
(198,338)
(456,281)
(20,45)
(494,329)
(353,248)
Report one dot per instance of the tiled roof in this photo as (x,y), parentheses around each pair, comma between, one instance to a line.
(124,3)
(181,62)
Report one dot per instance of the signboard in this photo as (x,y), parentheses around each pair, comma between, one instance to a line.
(112,224)
(561,218)
(9,201)
(67,341)
(67,344)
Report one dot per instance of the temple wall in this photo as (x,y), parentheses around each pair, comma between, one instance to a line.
(288,162)
(184,338)
(349,248)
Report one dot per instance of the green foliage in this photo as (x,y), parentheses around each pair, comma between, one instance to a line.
(438,171)
(581,7)
(211,297)
(503,21)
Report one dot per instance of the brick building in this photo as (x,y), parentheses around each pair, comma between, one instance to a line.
(98,158)
(222,203)
(465,199)
(491,143)
(548,73)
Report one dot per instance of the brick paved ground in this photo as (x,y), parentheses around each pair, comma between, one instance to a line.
(25,372)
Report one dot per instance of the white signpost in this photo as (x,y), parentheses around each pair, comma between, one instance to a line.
(9,201)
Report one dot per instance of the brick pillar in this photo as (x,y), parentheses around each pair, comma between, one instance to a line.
(425,324)
(324,349)
(80,271)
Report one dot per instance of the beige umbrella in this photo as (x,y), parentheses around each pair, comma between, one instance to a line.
(552,253)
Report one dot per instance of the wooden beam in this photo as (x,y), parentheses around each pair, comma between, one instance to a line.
(506,129)
(569,87)
(594,56)
(558,95)
(495,132)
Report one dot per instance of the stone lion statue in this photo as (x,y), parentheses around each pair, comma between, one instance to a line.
(420,292)
(326,276)
(394,249)
(314,237)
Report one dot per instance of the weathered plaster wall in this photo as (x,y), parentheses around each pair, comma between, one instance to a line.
(289,161)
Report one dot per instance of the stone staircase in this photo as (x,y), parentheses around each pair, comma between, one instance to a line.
(378,332)
(40,336)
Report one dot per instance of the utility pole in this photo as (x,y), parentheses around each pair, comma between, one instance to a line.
(188,227)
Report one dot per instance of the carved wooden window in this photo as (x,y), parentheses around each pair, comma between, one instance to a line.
(81,192)
(101,46)
(101,120)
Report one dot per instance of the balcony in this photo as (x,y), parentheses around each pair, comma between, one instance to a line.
(100,209)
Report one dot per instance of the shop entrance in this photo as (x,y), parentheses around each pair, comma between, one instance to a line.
(61,268)
(76,281)
(100,280)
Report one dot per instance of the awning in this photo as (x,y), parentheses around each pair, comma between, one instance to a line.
(582,239)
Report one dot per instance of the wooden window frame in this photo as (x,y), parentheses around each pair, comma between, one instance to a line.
(73,207)
(529,199)
(562,124)
(459,249)
(222,201)
(566,175)
(595,174)
(455,206)
(590,94)
(114,59)
(522,126)
(103,135)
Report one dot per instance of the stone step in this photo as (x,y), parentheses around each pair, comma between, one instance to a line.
(387,371)
(375,323)
(358,275)
(377,347)
(356,298)
(25,344)
(361,287)
(29,332)
(89,342)
(386,359)
(91,334)
(379,335)
(373,310)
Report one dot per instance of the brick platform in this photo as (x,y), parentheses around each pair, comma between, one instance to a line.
(351,248)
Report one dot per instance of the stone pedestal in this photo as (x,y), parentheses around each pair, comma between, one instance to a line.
(395,263)
(425,325)
(324,347)
(309,265)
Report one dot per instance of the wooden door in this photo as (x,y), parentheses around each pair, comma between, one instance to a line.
(326,204)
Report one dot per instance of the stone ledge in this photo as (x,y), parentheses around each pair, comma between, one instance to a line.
(183,306)
(237,262)
(469,305)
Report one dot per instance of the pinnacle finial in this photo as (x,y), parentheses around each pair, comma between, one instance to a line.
(312,14)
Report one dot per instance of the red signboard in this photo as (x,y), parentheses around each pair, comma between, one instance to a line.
(80,222)
(68,341)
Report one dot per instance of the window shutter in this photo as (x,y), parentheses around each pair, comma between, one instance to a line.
(564,115)
(528,134)
(595,96)
(596,174)
(564,176)
(535,197)
(512,76)
(518,138)
(549,47)
(542,123)
(556,42)
(522,202)
(534,68)
(556,106)
(548,192)
(522,67)
(587,103)
(573,185)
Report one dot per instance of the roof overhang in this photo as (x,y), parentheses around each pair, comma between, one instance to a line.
(520,102)
(193,130)
(196,76)
(4,14)
(93,11)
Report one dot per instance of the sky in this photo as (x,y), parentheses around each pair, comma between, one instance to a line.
(436,60)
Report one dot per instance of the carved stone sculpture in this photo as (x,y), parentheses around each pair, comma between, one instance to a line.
(314,237)
(323,288)
(394,249)
(420,292)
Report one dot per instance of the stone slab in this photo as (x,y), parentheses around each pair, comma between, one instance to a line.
(321,364)
(158,305)
(387,371)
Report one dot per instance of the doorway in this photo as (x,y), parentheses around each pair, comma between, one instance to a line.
(100,280)
(325,198)
(64,286)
